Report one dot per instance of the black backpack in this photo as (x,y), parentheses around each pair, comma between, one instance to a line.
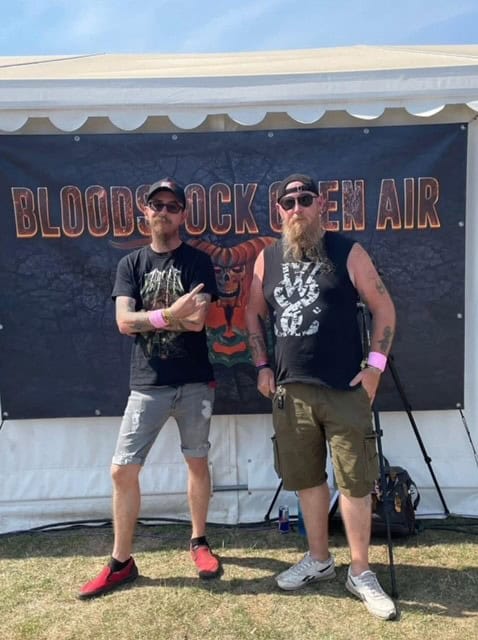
(402,497)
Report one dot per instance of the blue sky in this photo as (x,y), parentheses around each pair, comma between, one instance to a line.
(56,27)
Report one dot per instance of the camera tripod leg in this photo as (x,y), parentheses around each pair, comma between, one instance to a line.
(387,502)
(364,315)
(273,501)
(408,410)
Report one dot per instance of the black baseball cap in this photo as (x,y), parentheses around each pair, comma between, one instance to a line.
(167,184)
(307,185)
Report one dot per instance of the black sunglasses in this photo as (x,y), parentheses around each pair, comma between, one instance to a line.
(288,203)
(171,207)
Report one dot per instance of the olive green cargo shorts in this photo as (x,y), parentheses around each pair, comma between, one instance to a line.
(306,417)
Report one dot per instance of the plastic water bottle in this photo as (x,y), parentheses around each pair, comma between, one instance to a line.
(284,523)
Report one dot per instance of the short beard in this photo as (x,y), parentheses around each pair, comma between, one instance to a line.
(305,243)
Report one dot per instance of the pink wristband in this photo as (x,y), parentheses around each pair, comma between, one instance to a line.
(157,319)
(377,360)
(261,363)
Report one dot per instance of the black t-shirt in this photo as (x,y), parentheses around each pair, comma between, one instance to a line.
(155,281)
(314,310)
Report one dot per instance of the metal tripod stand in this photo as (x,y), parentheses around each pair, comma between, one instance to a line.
(401,392)
(408,410)
(388,504)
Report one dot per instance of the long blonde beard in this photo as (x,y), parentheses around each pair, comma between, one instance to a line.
(303,241)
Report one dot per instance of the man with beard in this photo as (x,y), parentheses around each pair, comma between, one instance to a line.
(310,282)
(162,292)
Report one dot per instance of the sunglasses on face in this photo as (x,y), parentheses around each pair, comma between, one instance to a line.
(304,201)
(171,207)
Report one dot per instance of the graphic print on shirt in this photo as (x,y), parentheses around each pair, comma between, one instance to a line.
(160,289)
(297,294)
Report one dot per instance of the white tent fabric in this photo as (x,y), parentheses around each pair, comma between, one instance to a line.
(127,89)
(58,470)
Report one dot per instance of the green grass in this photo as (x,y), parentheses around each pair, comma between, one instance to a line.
(436,570)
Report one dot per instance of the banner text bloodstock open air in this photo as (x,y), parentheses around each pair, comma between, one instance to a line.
(408,204)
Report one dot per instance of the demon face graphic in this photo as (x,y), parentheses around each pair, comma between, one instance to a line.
(226,319)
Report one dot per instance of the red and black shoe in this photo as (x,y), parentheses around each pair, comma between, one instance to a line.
(207,563)
(108,580)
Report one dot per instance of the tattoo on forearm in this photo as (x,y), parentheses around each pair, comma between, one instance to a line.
(386,341)
(140,325)
(257,345)
(380,287)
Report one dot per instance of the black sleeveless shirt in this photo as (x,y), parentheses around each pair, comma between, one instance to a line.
(314,312)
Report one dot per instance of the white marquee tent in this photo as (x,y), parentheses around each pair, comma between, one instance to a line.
(58,470)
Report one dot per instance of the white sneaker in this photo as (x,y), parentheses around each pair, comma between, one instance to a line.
(368,589)
(305,571)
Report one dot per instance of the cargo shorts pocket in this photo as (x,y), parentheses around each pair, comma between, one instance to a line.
(275,451)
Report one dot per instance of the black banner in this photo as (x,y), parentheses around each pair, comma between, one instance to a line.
(71,206)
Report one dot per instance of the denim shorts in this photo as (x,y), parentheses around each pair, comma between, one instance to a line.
(147,411)
(306,417)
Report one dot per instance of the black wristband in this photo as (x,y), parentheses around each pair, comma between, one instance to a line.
(263,366)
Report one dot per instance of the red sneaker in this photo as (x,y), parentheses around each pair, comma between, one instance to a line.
(207,563)
(108,580)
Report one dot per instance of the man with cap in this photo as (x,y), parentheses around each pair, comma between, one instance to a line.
(309,282)
(162,292)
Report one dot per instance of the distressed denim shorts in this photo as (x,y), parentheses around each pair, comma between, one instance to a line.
(146,413)
(306,417)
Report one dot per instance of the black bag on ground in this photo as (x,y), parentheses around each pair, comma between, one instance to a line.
(401,497)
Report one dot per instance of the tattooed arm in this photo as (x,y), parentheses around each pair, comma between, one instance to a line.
(130,321)
(256,312)
(372,291)
(187,313)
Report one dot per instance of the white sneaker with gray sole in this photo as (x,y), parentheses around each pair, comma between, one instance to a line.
(366,587)
(305,571)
